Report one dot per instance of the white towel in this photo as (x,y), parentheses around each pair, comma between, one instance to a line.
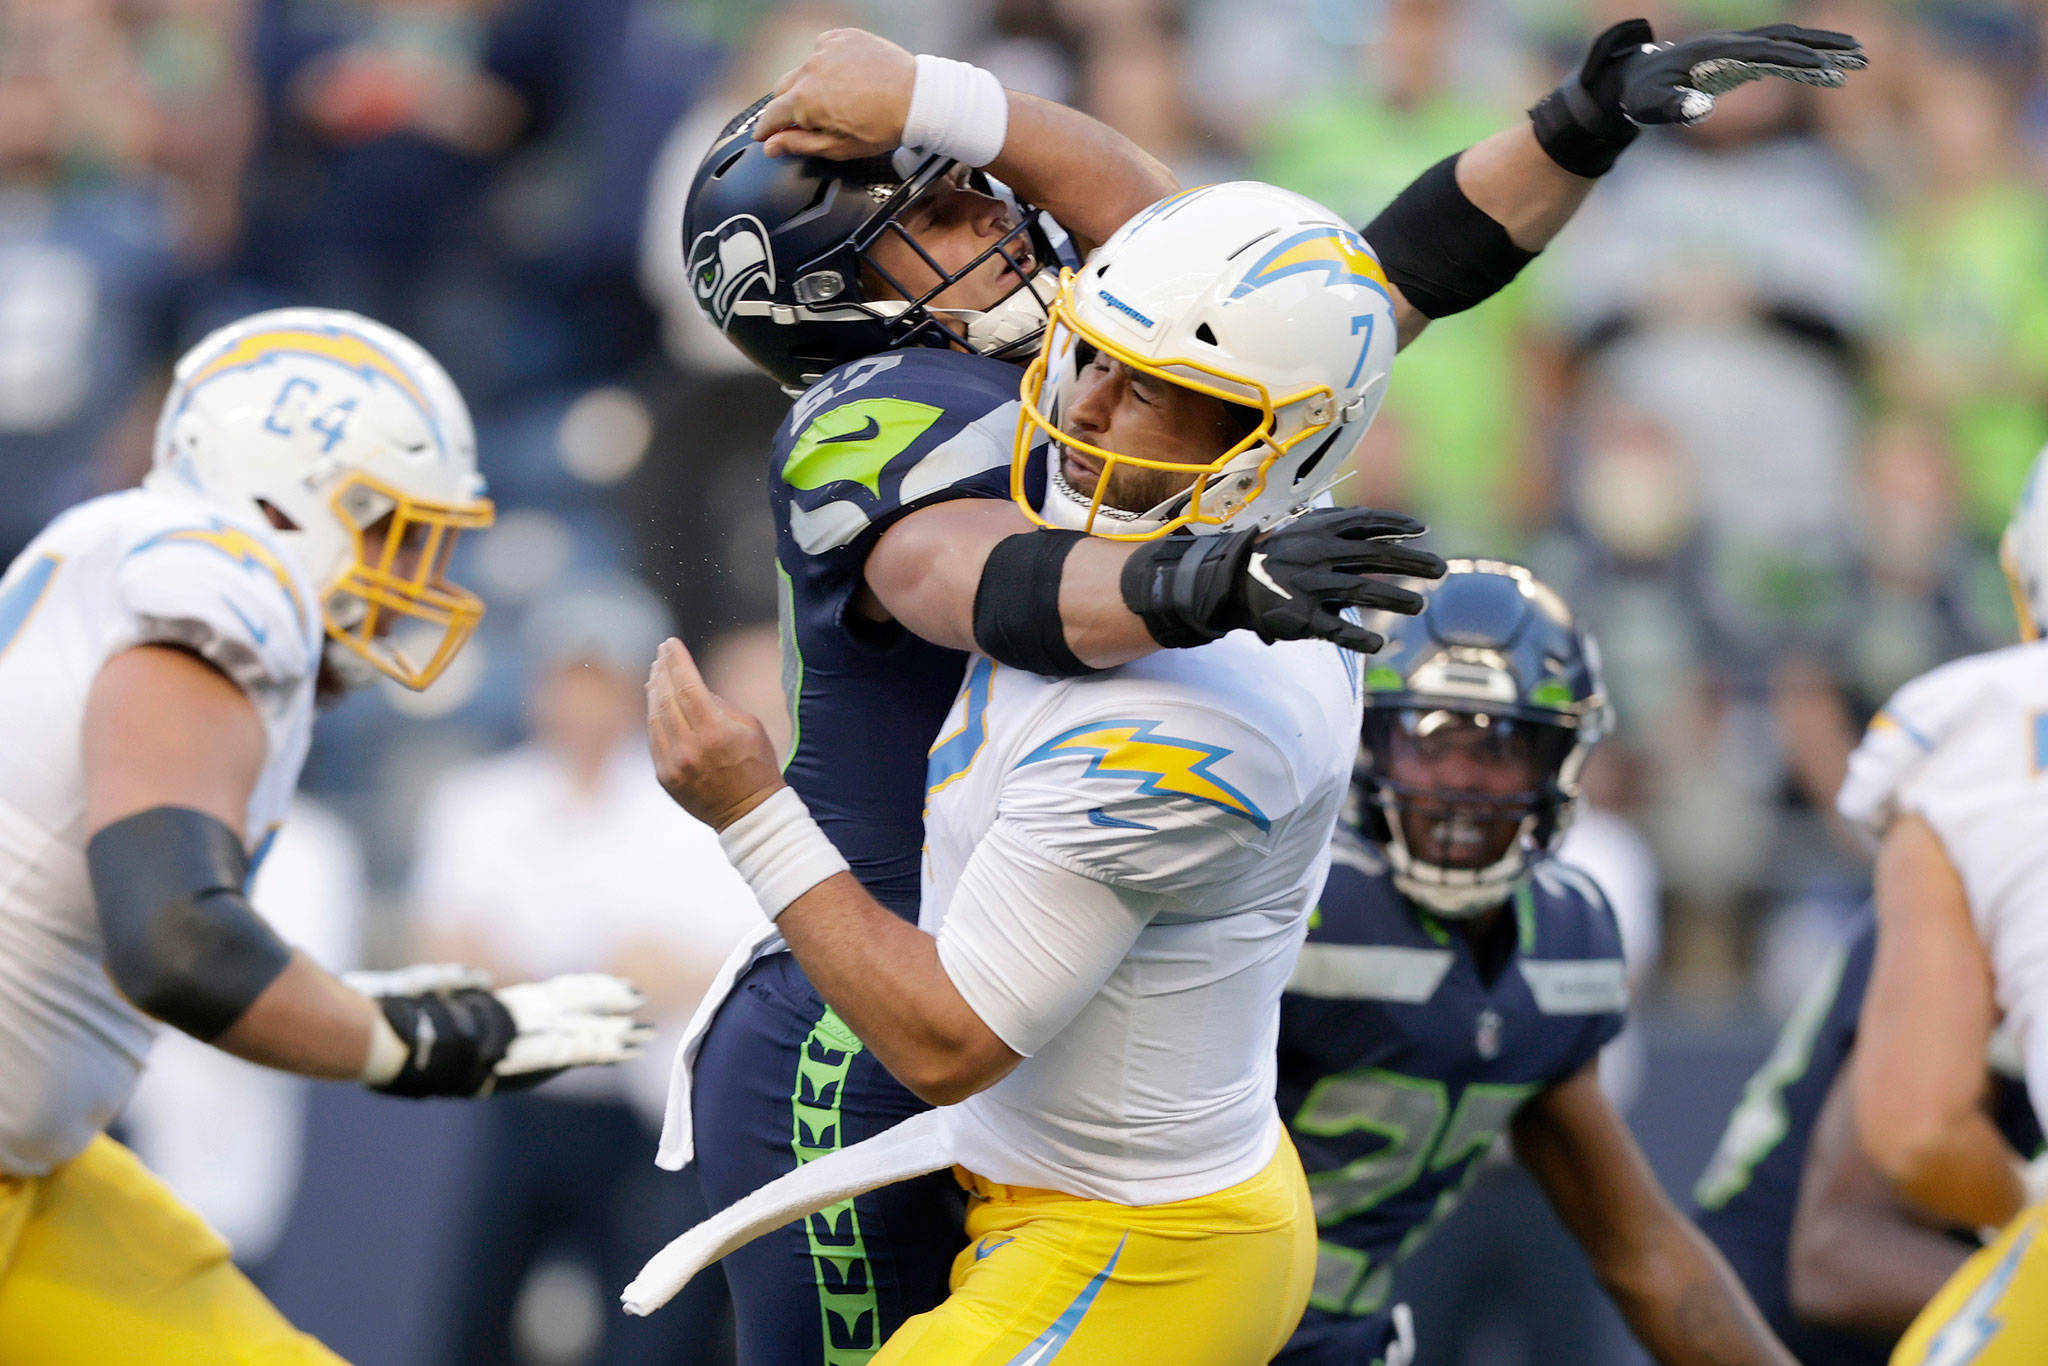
(678,1138)
(918,1145)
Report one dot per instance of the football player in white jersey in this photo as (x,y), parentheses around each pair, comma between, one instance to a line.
(1952,779)
(1119,867)
(160,653)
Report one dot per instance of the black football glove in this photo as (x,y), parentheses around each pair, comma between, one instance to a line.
(1291,583)
(1630,81)
(462,1039)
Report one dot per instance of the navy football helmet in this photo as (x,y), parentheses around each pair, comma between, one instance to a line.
(780,254)
(1480,712)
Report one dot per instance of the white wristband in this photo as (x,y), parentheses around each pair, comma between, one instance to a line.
(956,110)
(780,851)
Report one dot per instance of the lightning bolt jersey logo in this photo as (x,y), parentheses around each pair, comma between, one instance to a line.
(237,545)
(1163,765)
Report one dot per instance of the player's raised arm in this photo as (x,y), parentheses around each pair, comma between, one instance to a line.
(1468,225)
(1859,1260)
(1927,1020)
(1679,1297)
(857,95)
(164,806)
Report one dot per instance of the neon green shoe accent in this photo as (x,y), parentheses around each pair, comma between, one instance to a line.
(856,441)
(847,1303)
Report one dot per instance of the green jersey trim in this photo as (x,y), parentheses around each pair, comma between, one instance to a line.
(1759,1122)
(848,1309)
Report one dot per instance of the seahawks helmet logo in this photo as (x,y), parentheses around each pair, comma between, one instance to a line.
(728,262)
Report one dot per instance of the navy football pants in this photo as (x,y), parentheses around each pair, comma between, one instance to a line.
(781,1080)
(1325,1339)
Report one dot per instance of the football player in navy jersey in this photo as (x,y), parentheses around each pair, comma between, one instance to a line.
(1459,983)
(899,548)
(1839,1265)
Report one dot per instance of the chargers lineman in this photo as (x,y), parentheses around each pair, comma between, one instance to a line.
(1950,778)
(1120,866)
(160,653)
(1458,983)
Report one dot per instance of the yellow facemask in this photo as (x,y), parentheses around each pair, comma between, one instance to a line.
(403,581)
(1207,503)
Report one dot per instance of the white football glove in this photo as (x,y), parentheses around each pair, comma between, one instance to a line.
(583,1019)
(463,1040)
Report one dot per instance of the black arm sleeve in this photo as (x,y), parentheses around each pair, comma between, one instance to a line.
(1017,604)
(1443,250)
(182,941)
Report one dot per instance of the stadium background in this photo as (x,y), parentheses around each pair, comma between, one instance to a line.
(1760,412)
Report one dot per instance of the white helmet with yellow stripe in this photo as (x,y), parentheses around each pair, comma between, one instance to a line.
(355,445)
(1244,292)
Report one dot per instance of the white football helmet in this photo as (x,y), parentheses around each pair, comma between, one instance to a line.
(2023,552)
(1243,292)
(353,442)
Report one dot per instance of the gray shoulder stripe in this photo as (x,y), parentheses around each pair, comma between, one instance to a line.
(1369,972)
(1571,986)
(826,528)
(983,444)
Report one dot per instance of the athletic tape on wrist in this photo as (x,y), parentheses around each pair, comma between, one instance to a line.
(780,851)
(387,1056)
(957,110)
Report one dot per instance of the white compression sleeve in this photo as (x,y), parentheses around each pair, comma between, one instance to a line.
(1028,943)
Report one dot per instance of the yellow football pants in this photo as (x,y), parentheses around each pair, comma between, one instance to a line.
(1994,1310)
(99,1263)
(1216,1281)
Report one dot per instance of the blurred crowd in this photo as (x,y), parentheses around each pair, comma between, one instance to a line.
(1760,412)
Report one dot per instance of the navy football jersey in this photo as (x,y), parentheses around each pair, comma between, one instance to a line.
(1750,1190)
(873,440)
(1400,1062)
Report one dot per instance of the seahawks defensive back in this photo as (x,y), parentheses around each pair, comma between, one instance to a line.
(1458,983)
(1405,1049)
(1750,1191)
(1402,1058)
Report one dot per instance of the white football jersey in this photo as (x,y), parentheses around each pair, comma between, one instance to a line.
(1204,785)
(1965,747)
(123,570)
